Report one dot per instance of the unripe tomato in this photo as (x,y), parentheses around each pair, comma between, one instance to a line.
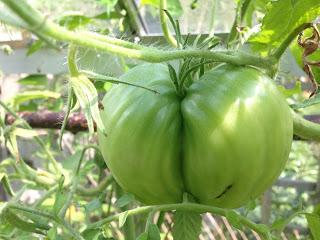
(225,142)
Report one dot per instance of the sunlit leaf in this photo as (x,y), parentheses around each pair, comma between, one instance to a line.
(74,20)
(314,225)
(123,218)
(281,19)
(35,46)
(34,80)
(31,95)
(289,92)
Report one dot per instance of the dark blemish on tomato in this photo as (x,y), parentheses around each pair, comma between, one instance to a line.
(225,191)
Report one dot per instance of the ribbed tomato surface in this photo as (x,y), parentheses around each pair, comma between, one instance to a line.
(224,142)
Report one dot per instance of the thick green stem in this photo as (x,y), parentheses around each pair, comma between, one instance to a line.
(33,18)
(212,20)
(113,41)
(305,129)
(284,45)
(164,26)
(199,208)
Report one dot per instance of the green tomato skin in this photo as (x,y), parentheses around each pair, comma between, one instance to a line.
(224,143)
(142,148)
(237,136)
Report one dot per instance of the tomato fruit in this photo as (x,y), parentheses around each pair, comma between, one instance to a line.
(224,142)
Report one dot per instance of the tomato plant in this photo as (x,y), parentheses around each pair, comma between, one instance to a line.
(208,135)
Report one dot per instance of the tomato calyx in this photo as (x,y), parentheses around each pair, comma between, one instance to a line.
(189,71)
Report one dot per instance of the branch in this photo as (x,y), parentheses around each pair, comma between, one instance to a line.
(305,128)
(165,29)
(199,208)
(286,42)
(51,120)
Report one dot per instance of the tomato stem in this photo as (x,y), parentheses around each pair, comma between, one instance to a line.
(40,24)
(72,65)
(164,26)
(262,230)
(286,42)
(305,129)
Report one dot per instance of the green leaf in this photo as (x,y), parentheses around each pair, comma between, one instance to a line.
(234,219)
(108,15)
(93,205)
(70,162)
(34,80)
(109,80)
(143,236)
(173,76)
(92,234)
(314,222)
(281,19)
(35,46)
(174,6)
(152,233)
(124,200)
(107,86)
(187,225)
(11,143)
(61,197)
(52,234)
(26,133)
(314,225)
(6,184)
(87,96)
(73,21)
(31,95)
(123,218)
(289,92)
(306,103)
(279,224)
(18,222)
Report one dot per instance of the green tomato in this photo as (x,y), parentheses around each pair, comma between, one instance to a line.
(224,143)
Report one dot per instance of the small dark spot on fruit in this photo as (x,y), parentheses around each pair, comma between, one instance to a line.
(225,191)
